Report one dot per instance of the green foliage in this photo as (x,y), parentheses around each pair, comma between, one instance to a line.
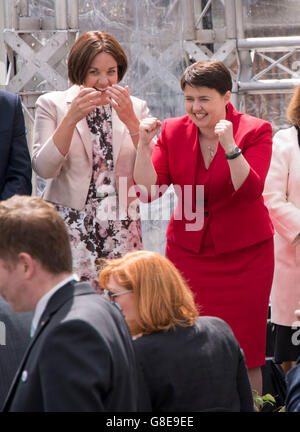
(261,401)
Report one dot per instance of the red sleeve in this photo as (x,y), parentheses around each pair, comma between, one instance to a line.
(160,158)
(257,151)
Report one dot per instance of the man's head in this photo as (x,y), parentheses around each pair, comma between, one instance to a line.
(31,231)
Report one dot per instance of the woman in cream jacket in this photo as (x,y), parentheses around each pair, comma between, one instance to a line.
(282,197)
(84,146)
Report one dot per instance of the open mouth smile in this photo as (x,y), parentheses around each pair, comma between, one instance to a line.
(100,90)
(199,116)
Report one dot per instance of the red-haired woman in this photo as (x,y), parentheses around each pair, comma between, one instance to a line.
(187,362)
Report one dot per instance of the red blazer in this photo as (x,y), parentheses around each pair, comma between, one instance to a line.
(237,219)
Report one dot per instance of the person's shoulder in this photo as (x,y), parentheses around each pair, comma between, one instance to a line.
(248,120)
(214,325)
(285,141)
(174,126)
(147,342)
(283,134)
(8,100)
(177,121)
(9,96)
(52,95)
(88,305)
(55,97)
(255,121)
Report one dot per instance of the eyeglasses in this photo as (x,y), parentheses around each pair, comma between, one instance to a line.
(111,296)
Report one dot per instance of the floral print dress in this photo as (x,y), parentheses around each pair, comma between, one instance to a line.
(95,231)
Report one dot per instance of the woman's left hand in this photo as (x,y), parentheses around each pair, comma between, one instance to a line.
(225,134)
(119,98)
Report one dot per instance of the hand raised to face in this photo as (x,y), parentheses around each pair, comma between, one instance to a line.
(119,98)
(85,102)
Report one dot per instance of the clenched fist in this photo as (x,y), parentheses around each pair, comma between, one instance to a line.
(225,134)
(148,129)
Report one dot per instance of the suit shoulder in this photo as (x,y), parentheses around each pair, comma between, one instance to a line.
(177,121)
(8,101)
(51,98)
(177,125)
(216,327)
(95,311)
(252,122)
(8,96)
(284,135)
(285,141)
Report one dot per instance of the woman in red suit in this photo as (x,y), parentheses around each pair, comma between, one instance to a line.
(227,255)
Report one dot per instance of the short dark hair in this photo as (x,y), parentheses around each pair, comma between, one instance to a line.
(85,49)
(32,225)
(209,73)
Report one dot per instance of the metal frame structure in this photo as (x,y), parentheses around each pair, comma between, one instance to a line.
(36,48)
(236,51)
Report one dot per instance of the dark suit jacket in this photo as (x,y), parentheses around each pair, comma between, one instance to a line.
(15,164)
(191,369)
(237,219)
(14,339)
(293,389)
(80,359)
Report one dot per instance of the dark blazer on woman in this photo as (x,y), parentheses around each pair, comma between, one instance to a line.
(15,164)
(196,368)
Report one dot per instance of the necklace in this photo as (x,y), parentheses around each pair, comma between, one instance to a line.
(211,149)
(211,152)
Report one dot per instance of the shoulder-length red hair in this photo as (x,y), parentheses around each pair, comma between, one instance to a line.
(162,297)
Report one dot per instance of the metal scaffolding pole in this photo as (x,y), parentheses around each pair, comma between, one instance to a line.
(282,43)
(36,49)
(231,35)
(235,48)
(61,15)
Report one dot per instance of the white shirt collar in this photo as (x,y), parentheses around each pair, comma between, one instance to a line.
(42,303)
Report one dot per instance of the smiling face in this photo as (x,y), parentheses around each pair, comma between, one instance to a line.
(205,106)
(102,73)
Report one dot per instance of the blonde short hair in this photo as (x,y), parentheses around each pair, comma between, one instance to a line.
(162,297)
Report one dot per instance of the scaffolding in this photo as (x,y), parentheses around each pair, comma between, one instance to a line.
(36,48)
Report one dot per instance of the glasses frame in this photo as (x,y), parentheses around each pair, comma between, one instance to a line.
(111,296)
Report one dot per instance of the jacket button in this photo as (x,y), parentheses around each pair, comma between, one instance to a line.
(206,213)
(24,376)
